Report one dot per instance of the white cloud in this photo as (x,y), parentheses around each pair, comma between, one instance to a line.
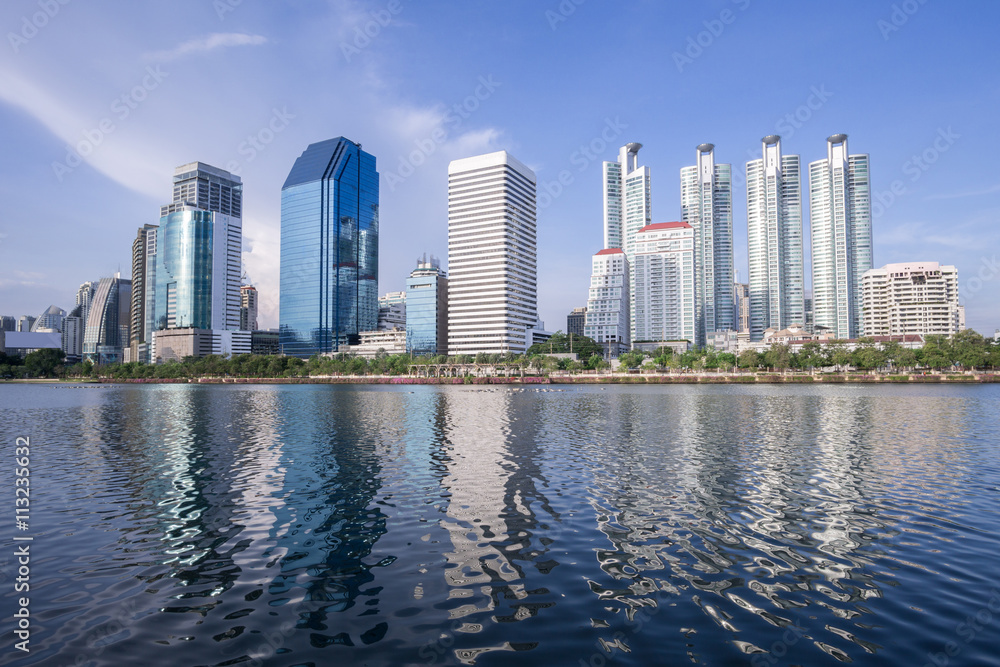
(211,42)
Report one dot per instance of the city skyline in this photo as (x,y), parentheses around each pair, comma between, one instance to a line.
(928,150)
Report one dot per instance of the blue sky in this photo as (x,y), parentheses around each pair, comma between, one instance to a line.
(144,87)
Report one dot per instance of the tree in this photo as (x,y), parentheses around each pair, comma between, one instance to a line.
(726,360)
(969,349)
(43,363)
(867,355)
(778,357)
(561,343)
(749,359)
(936,352)
(631,359)
(838,354)
(813,356)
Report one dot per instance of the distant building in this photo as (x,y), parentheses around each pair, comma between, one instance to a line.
(265,342)
(376,342)
(24,323)
(176,344)
(742,292)
(141,315)
(392,311)
(72,335)
(707,205)
(50,321)
(427,309)
(7,323)
(492,260)
(665,276)
(576,321)
(774,239)
(607,318)
(248,308)
(106,332)
(22,343)
(911,298)
(840,218)
(329,248)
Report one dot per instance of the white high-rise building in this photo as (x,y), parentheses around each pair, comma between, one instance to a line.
(664,271)
(774,239)
(911,298)
(840,218)
(707,205)
(607,311)
(627,205)
(492,289)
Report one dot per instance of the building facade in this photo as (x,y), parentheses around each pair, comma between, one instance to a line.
(24,323)
(919,298)
(106,334)
(329,248)
(665,291)
(50,321)
(576,321)
(840,218)
(391,311)
(742,295)
(607,319)
(248,308)
(707,206)
(774,240)
(141,317)
(427,309)
(492,260)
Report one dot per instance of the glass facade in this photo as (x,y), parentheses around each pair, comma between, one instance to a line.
(329,249)
(426,311)
(184,244)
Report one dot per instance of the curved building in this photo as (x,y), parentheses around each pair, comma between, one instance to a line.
(107,329)
(329,249)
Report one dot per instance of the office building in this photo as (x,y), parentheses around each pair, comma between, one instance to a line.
(742,292)
(141,318)
(427,309)
(329,248)
(106,333)
(248,308)
(391,311)
(774,238)
(707,206)
(265,342)
(50,321)
(665,291)
(72,335)
(175,344)
(840,218)
(24,323)
(7,323)
(919,298)
(576,321)
(492,286)
(607,319)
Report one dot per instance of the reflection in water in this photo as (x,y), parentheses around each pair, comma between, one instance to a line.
(309,525)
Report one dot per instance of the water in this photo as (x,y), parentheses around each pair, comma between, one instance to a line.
(318,525)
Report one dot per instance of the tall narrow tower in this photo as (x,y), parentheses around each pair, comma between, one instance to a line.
(840,220)
(707,206)
(774,236)
(492,289)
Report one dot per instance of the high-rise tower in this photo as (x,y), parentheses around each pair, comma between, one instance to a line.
(492,288)
(329,248)
(141,318)
(707,206)
(774,239)
(840,220)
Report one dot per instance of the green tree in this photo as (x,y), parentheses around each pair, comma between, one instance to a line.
(867,355)
(778,357)
(813,356)
(631,359)
(936,352)
(43,363)
(749,359)
(969,349)
(726,360)
(838,354)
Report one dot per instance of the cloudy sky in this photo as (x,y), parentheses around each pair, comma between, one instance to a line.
(100,100)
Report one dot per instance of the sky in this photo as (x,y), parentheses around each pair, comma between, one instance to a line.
(101,100)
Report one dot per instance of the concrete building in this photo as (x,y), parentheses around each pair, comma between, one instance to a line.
(391,311)
(607,319)
(248,308)
(665,291)
(329,248)
(707,205)
(742,292)
(376,342)
(106,333)
(24,323)
(911,298)
(840,218)
(175,344)
(774,239)
(50,321)
(141,315)
(72,335)
(8,323)
(427,309)
(576,321)
(492,261)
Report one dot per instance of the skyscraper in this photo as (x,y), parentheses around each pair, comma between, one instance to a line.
(248,308)
(427,309)
(607,319)
(707,206)
(107,330)
(329,248)
(576,321)
(627,206)
(911,298)
(665,292)
(143,292)
(492,289)
(840,219)
(774,238)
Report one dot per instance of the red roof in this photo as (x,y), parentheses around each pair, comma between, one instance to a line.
(611,251)
(664,225)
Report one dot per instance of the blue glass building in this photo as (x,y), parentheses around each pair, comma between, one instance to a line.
(427,309)
(329,249)
(183,296)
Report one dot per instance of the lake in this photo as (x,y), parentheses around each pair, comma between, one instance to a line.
(488,525)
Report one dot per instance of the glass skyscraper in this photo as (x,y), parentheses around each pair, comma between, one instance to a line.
(329,249)
(427,309)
